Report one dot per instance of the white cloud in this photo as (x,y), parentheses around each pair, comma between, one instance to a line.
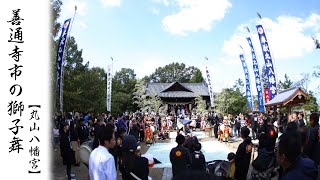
(288,37)
(195,15)
(81,7)
(111,3)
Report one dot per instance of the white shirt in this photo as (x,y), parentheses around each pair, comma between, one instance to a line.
(101,165)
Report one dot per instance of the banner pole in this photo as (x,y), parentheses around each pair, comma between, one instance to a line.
(63,61)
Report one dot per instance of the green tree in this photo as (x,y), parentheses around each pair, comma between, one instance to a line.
(123,85)
(72,70)
(139,95)
(146,102)
(197,77)
(84,88)
(120,102)
(232,100)
(200,104)
(176,72)
(55,8)
(311,103)
(287,83)
(155,103)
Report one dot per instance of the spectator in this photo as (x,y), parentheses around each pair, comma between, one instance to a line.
(96,132)
(301,120)
(198,161)
(312,149)
(55,137)
(82,131)
(75,143)
(231,159)
(289,158)
(132,164)
(101,162)
(66,151)
(179,156)
(243,155)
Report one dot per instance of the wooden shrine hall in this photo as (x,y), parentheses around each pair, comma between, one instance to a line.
(288,98)
(179,97)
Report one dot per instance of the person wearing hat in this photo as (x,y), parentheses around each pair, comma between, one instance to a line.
(101,162)
(180,157)
(132,165)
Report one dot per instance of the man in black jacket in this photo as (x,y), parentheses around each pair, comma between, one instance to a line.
(267,136)
(243,155)
(179,156)
(254,125)
(96,132)
(66,151)
(83,132)
(312,149)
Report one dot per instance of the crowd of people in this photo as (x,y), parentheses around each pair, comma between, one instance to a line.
(295,153)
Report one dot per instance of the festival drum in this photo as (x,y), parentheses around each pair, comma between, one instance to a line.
(84,151)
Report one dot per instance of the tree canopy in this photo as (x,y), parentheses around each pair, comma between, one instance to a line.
(176,72)
(232,100)
(287,83)
(123,85)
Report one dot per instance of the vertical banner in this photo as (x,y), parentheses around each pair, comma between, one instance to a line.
(256,76)
(60,56)
(109,88)
(266,94)
(25,91)
(210,87)
(246,74)
(268,61)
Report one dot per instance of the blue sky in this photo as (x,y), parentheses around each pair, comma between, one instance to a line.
(146,34)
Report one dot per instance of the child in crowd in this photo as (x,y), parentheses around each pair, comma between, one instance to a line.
(198,161)
(55,137)
(231,159)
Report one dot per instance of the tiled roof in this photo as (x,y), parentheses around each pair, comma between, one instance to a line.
(183,94)
(283,96)
(196,88)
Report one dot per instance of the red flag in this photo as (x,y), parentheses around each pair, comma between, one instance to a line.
(266,94)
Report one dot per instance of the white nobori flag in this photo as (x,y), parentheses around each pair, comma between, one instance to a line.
(109,88)
(210,89)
